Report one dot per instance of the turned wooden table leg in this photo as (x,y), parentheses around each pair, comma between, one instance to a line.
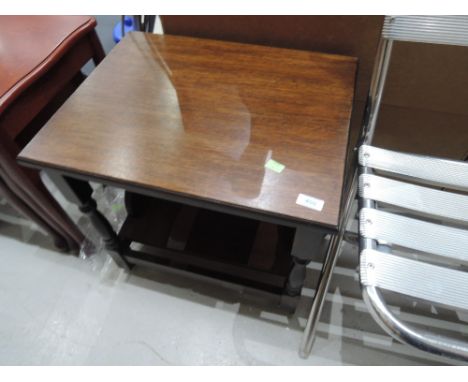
(79,192)
(307,246)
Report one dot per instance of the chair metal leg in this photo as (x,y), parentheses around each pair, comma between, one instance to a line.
(379,76)
(326,274)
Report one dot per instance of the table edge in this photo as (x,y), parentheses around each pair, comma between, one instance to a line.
(172,195)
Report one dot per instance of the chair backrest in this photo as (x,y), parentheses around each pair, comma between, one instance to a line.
(445,30)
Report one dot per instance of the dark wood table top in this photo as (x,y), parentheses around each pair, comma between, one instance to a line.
(201,118)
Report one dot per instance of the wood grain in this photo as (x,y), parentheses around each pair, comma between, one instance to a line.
(201,117)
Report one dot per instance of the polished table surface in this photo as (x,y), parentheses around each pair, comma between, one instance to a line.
(200,118)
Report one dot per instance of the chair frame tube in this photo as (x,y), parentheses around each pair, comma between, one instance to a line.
(438,345)
(379,76)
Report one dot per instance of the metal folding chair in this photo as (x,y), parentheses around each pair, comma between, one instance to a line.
(413,213)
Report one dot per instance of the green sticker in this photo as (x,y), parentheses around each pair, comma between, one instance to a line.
(275,166)
(117,207)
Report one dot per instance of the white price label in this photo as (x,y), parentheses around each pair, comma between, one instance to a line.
(310,202)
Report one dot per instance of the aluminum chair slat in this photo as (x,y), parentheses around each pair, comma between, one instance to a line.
(415,198)
(415,234)
(448,30)
(435,170)
(414,278)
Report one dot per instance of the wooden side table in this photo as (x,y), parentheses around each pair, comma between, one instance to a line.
(40,66)
(210,134)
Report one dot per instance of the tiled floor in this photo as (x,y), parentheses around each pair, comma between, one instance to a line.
(57,309)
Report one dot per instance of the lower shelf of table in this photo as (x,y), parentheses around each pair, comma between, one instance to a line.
(214,244)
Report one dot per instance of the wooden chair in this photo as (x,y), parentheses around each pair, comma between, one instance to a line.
(41,63)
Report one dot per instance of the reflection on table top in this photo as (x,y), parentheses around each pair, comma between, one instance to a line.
(201,118)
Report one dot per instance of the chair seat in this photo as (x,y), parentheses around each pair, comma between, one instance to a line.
(414,234)
(29,47)
(416,278)
(413,278)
